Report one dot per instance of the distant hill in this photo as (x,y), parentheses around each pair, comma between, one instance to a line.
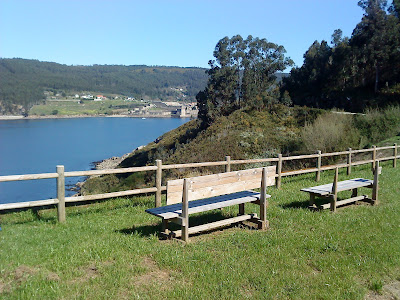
(23,81)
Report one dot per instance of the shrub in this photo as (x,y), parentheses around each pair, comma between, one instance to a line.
(330,132)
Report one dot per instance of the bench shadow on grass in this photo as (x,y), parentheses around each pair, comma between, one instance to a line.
(304,204)
(148,230)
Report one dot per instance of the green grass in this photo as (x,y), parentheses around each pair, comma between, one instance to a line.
(89,107)
(111,250)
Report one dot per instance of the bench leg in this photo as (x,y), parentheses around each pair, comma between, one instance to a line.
(185,229)
(333,202)
(241,209)
(312,200)
(263,224)
(164,226)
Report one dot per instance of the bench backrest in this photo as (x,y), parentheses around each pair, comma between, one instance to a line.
(219,184)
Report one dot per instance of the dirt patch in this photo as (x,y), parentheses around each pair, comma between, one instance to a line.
(154,276)
(91,272)
(23,272)
(4,287)
(51,276)
(389,292)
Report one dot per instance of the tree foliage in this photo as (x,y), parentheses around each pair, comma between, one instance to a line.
(355,72)
(241,76)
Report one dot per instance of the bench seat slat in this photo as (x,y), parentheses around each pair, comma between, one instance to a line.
(175,210)
(345,185)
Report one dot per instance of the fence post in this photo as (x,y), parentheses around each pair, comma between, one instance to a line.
(61,194)
(318,173)
(158,182)
(279,178)
(228,164)
(349,162)
(373,158)
(395,155)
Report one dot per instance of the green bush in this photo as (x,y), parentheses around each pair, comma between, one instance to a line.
(331,132)
(377,125)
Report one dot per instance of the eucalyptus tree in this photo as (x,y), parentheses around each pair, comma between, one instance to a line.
(240,76)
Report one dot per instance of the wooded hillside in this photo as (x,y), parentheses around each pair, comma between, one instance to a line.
(24,81)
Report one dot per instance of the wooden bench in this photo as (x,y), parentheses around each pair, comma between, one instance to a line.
(330,191)
(204,193)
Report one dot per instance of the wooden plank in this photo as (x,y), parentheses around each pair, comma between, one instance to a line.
(28,177)
(194,165)
(252,161)
(344,202)
(110,195)
(218,184)
(213,225)
(175,210)
(20,205)
(345,185)
(300,157)
(110,171)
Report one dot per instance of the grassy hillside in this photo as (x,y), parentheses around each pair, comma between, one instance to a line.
(254,134)
(242,135)
(110,250)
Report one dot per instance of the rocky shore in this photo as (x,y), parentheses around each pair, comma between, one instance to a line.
(110,163)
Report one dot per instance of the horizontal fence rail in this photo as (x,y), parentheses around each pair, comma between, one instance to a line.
(159,167)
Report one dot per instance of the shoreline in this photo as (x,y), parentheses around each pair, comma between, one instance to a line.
(17,117)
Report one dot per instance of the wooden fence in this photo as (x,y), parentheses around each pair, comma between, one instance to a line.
(60,175)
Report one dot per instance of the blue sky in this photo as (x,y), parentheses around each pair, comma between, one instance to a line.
(169,32)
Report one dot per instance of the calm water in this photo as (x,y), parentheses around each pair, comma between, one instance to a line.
(38,146)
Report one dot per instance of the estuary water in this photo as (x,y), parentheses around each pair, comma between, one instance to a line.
(38,146)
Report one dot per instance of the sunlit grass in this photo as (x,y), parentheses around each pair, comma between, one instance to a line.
(111,250)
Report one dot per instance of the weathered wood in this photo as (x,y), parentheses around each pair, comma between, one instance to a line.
(373,158)
(326,189)
(241,209)
(344,202)
(213,225)
(334,190)
(61,194)
(263,199)
(27,204)
(305,156)
(218,184)
(349,162)
(111,195)
(28,177)
(318,173)
(228,164)
(334,153)
(185,211)
(253,161)
(279,172)
(158,182)
(110,171)
(395,155)
(312,200)
(194,165)
(375,187)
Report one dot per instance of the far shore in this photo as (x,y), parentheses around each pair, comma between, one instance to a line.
(19,117)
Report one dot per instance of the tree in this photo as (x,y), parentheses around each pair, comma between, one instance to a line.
(241,76)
